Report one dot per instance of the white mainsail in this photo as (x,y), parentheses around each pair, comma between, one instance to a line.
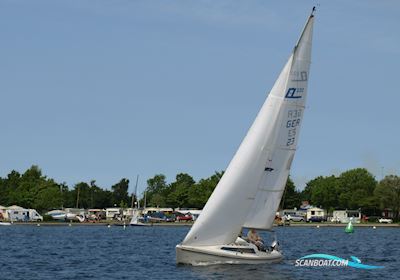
(291,100)
(249,192)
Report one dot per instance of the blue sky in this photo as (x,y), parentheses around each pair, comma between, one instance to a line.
(110,89)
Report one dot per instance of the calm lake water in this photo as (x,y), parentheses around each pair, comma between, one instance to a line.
(94,252)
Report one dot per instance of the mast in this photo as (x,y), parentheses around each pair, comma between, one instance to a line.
(77,198)
(137,201)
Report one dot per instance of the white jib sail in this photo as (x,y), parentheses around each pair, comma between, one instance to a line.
(249,192)
(135,217)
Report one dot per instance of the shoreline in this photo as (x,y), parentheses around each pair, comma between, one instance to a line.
(189,224)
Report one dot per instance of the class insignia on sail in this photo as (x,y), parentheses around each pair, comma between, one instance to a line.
(249,193)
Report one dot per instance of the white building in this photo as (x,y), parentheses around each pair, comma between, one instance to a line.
(150,210)
(119,213)
(315,214)
(344,216)
(19,214)
(128,212)
(112,213)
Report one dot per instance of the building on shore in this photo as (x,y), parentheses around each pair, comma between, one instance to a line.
(151,210)
(17,213)
(315,214)
(389,213)
(113,213)
(344,216)
(128,212)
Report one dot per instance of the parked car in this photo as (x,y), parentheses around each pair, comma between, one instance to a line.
(373,219)
(183,217)
(158,217)
(316,219)
(385,221)
(295,218)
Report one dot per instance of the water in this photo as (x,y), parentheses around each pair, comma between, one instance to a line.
(91,252)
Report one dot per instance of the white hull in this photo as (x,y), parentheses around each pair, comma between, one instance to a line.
(60,217)
(139,225)
(69,217)
(237,254)
(5,224)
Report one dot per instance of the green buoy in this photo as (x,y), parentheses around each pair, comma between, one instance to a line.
(349,228)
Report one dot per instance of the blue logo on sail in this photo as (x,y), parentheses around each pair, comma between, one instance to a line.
(294,92)
(329,260)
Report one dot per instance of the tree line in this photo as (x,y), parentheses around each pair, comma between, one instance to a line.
(34,190)
(352,189)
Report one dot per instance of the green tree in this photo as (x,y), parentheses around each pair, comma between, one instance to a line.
(388,194)
(27,188)
(157,200)
(177,193)
(48,196)
(196,196)
(156,190)
(100,198)
(81,194)
(120,192)
(322,191)
(200,192)
(355,186)
(30,190)
(291,197)
(8,186)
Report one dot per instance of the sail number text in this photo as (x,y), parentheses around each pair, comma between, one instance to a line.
(294,120)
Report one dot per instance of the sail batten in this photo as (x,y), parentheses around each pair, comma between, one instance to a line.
(251,188)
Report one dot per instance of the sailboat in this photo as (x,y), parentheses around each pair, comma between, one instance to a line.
(135,219)
(135,216)
(250,191)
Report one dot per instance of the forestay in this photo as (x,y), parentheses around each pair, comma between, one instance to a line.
(249,192)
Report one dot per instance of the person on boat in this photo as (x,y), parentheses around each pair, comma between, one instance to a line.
(254,238)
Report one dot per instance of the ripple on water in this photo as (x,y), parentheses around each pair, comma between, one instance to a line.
(149,253)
